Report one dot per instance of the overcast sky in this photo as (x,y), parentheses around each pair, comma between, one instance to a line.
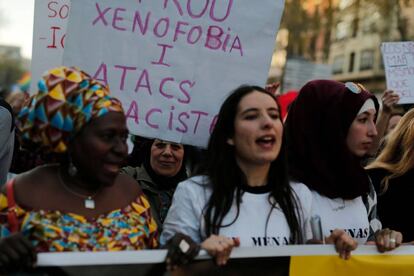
(16,24)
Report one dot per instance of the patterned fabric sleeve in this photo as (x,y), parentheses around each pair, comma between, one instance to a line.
(4,221)
(4,231)
(370,202)
(153,235)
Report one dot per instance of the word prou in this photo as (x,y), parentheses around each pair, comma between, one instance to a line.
(183,122)
(209,9)
(212,37)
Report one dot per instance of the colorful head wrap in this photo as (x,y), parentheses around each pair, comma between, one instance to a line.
(67,99)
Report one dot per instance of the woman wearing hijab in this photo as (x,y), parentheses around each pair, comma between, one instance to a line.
(330,128)
(83,203)
(244,197)
(392,174)
(162,169)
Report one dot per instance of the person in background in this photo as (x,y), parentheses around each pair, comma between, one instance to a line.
(330,128)
(82,203)
(395,117)
(136,157)
(7,138)
(16,100)
(389,101)
(244,197)
(161,170)
(273,88)
(284,99)
(392,174)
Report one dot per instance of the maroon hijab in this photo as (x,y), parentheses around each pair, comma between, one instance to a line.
(316,127)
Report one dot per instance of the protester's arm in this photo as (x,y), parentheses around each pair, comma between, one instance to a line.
(384,239)
(387,240)
(16,253)
(389,100)
(184,215)
(5,126)
(181,250)
(220,247)
(272,88)
(344,243)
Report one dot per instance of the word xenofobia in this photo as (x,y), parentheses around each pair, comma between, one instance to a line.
(213,37)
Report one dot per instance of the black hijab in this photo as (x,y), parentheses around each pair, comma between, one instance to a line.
(162,182)
(316,127)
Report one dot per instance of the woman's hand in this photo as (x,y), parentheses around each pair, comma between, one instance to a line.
(181,250)
(16,252)
(272,88)
(344,244)
(387,239)
(220,247)
(389,99)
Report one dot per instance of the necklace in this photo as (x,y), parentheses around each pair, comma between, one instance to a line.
(89,201)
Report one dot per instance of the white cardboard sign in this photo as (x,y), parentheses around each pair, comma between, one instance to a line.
(49,32)
(172,62)
(399,68)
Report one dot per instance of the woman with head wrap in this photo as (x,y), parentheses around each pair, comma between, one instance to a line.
(330,128)
(82,204)
(161,170)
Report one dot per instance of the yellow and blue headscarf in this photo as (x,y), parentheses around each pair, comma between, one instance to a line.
(67,99)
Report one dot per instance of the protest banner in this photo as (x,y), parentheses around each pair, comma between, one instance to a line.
(280,260)
(49,33)
(172,62)
(398,58)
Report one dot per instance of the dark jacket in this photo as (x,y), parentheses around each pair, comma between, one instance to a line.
(395,204)
(159,199)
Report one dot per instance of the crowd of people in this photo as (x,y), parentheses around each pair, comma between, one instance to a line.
(267,164)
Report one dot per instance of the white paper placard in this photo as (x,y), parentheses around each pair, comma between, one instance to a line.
(172,62)
(398,60)
(49,32)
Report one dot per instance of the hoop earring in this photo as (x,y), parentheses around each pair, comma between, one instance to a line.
(72,170)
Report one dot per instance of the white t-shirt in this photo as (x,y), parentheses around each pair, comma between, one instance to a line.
(190,198)
(348,215)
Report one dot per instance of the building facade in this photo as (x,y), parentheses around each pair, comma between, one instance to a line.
(360,28)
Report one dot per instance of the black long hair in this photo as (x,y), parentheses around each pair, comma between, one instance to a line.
(226,177)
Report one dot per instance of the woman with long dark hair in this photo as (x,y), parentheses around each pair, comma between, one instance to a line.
(244,197)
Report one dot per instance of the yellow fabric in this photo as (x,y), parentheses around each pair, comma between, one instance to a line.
(372,265)
(3,202)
